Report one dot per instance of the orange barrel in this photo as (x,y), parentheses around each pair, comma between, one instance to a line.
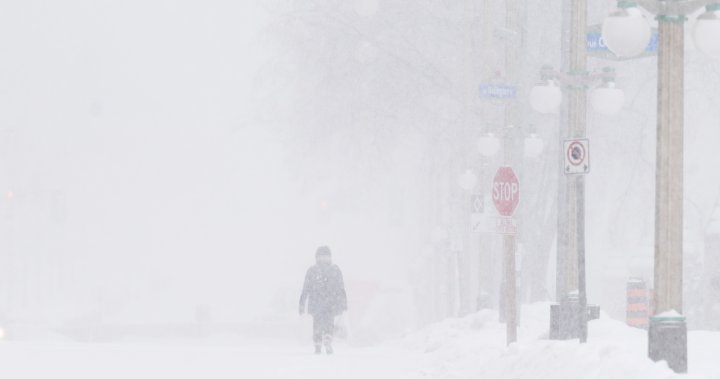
(651,301)
(637,303)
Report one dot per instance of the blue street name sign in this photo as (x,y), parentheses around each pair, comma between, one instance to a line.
(596,46)
(497,91)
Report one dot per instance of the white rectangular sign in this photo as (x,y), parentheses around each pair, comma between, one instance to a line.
(577,156)
(497,225)
(505,225)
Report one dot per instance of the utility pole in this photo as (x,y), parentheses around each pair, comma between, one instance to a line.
(576,120)
(570,318)
(577,123)
(563,258)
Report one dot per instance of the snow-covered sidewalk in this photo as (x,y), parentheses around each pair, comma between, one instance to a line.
(251,360)
(473,347)
(468,347)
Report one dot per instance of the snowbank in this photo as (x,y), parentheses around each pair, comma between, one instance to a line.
(474,347)
(468,347)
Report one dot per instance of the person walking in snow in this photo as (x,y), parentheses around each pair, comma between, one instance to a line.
(324,292)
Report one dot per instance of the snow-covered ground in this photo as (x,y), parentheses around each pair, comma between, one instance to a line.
(469,347)
(473,347)
(237,360)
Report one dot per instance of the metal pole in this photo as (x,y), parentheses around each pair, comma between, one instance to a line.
(570,279)
(512,23)
(487,256)
(451,283)
(577,115)
(562,231)
(669,174)
(464,257)
(509,247)
(510,289)
(581,259)
(575,53)
(577,121)
(667,335)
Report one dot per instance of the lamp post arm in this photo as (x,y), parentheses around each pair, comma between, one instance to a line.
(672,8)
(606,75)
(579,79)
(692,6)
(652,6)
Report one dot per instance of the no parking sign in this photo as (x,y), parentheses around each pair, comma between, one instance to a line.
(577,156)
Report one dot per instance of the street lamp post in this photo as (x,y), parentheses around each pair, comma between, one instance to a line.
(488,146)
(467,181)
(667,335)
(569,320)
(443,292)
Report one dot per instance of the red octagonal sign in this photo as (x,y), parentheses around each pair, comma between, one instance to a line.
(506,191)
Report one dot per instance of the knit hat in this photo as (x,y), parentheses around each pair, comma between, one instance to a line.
(322,250)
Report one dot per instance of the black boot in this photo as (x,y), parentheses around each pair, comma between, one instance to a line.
(327,341)
(317,348)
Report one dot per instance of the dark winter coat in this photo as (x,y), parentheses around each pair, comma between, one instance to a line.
(324,290)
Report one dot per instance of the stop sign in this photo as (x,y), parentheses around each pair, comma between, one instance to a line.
(506,191)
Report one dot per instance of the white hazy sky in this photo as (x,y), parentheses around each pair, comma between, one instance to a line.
(136,114)
(140,177)
(144,180)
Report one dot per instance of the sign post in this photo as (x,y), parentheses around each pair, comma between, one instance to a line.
(577,161)
(477,203)
(506,196)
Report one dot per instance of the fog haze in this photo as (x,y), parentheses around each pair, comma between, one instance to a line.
(157,156)
(143,176)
